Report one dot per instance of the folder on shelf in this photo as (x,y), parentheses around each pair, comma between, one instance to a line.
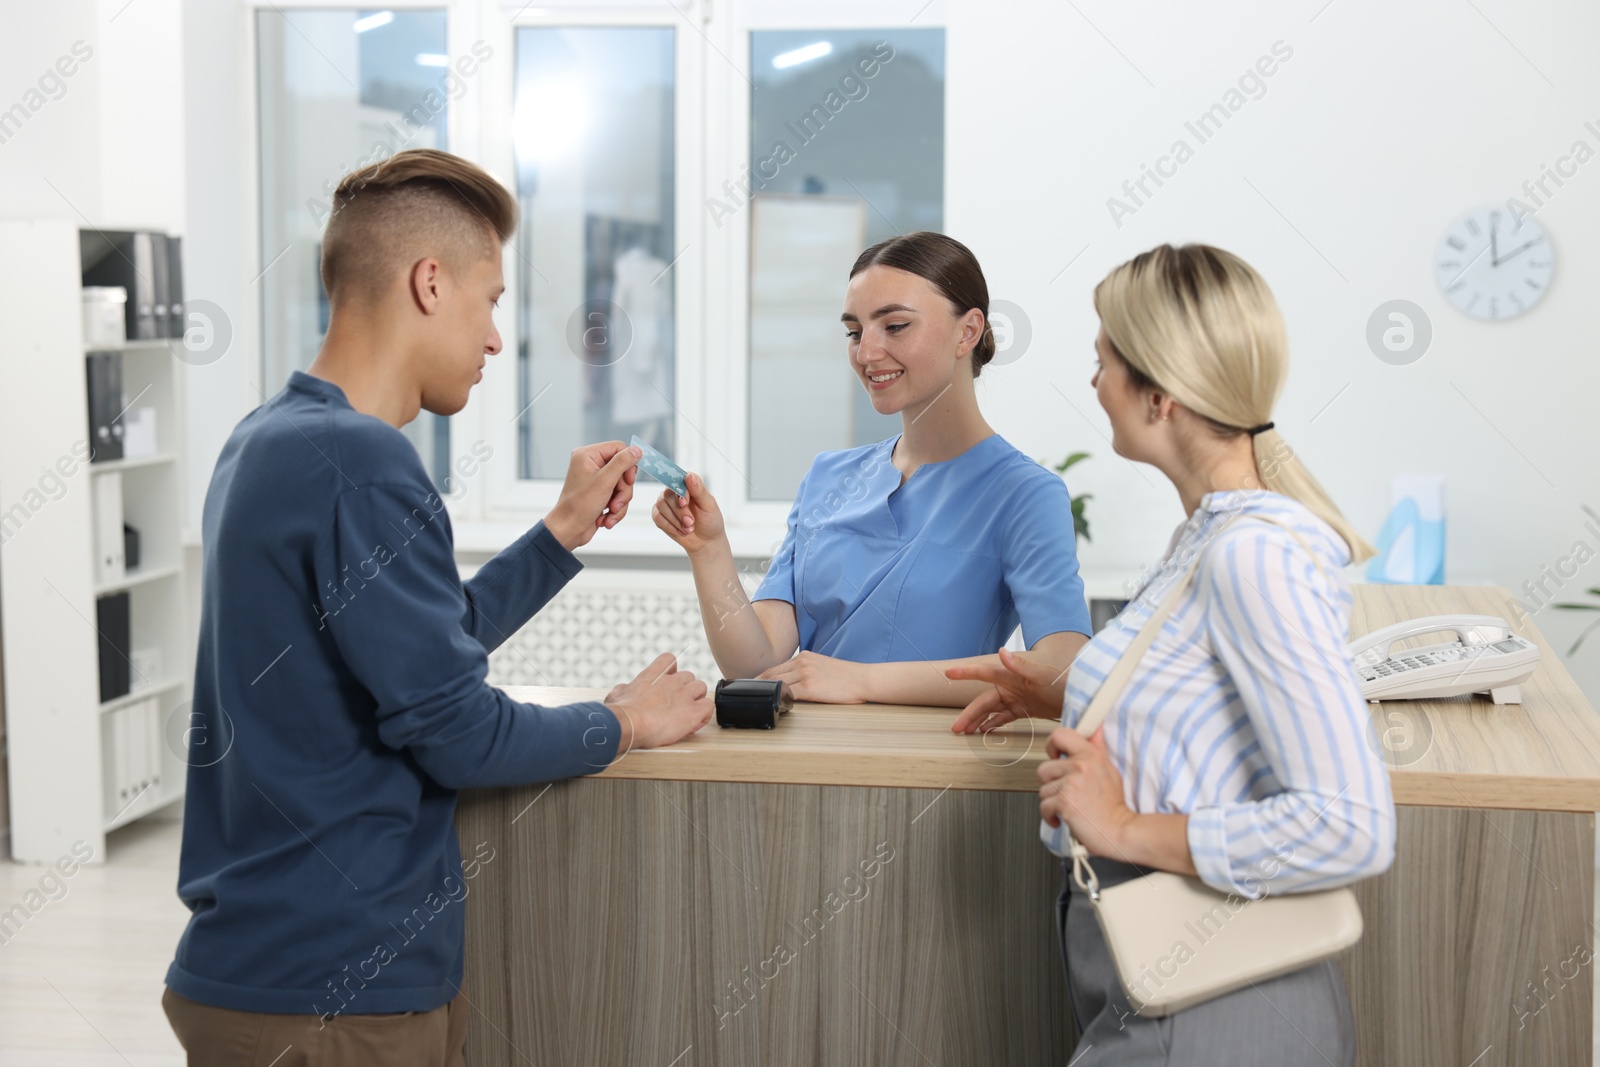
(119,760)
(138,746)
(130,547)
(154,743)
(161,286)
(110,770)
(175,317)
(110,545)
(112,619)
(104,370)
(131,760)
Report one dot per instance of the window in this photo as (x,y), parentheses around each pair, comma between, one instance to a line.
(846,149)
(593,134)
(674,276)
(337,88)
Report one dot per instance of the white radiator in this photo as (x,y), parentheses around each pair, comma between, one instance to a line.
(607,625)
(604,628)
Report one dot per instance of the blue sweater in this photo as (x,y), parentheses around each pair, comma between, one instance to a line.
(339,703)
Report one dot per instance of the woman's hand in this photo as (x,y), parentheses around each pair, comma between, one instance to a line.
(695,521)
(1024,687)
(1084,790)
(821,679)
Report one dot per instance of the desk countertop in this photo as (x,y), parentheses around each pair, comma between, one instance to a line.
(1543,754)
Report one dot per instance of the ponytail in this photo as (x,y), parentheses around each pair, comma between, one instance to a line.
(1200,324)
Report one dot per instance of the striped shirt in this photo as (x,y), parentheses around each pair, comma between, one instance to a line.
(1245,711)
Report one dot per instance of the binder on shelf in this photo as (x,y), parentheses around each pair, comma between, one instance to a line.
(175,317)
(139,753)
(110,771)
(161,284)
(110,543)
(157,743)
(112,620)
(118,759)
(153,743)
(130,762)
(130,547)
(104,370)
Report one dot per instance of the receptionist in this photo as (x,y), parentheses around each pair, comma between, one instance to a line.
(914,554)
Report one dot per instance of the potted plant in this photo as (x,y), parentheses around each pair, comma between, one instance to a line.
(1080,525)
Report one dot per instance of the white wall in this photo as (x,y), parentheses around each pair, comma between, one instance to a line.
(100,137)
(59,139)
(142,130)
(222,218)
(1387,122)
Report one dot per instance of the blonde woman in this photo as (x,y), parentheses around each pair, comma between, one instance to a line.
(1237,751)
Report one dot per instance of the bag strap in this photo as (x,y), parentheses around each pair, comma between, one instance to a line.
(1111,688)
(1108,692)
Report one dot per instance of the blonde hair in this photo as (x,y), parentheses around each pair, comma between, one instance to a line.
(1200,325)
(420,202)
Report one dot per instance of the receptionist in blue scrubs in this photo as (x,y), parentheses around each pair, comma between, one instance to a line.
(912,555)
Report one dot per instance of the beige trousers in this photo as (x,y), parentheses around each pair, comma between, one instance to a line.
(221,1037)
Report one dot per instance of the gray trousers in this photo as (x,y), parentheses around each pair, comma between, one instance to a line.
(1300,1018)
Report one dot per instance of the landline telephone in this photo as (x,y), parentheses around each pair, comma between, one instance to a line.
(1486,656)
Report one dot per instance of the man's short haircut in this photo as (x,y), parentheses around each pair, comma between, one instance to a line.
(415,204)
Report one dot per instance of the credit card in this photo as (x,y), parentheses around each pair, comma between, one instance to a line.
(661,468)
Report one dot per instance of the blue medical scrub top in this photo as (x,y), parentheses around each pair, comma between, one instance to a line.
(942,567)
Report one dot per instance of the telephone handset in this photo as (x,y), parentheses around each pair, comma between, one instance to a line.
(1485,656)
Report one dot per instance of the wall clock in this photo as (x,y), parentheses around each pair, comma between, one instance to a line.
(1493,264)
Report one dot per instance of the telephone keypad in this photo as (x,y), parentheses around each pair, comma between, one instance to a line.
(1412,660)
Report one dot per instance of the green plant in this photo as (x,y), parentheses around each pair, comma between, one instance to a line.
(1080,524)
(1587,629)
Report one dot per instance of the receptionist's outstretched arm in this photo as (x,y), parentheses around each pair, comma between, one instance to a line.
(838,681)
(746,638)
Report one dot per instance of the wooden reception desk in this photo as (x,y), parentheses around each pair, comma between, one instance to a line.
(861,886)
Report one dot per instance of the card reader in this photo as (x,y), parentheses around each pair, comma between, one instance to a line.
(752,703)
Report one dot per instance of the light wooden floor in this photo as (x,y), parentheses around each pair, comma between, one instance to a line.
(80,985)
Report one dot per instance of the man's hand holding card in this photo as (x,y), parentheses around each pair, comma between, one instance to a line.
(595,494)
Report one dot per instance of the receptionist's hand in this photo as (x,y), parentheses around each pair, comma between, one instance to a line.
(1024,686)
(695,523)
(821,679)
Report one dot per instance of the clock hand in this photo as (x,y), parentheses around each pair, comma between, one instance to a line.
(1462,272)
(1517,251)
(1494,244)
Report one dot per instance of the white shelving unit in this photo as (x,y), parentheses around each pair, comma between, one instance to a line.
(65,745)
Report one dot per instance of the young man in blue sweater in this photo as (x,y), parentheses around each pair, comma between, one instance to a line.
(339,697)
